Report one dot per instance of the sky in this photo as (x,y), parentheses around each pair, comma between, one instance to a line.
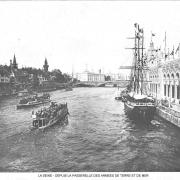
(79,35)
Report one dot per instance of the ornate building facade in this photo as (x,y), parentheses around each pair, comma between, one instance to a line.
(164,75)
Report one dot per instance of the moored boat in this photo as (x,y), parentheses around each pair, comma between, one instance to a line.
(33,101)
(118,95)
(47,117)
(140,107)
(137,104)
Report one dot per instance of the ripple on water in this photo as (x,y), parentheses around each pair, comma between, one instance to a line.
(98,137)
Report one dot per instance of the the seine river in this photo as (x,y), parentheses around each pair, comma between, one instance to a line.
(99,137)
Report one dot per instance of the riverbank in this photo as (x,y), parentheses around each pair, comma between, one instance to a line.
(49,87)
(53,87)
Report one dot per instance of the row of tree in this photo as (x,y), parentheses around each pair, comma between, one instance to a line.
(55,74)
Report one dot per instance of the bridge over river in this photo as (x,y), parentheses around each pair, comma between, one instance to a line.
(121,83)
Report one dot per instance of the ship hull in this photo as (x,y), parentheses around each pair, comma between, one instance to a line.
(145,113)
(21,106)
(62,117)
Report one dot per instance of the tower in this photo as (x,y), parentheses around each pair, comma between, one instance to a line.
(45,66)
(10,63)
(14,64)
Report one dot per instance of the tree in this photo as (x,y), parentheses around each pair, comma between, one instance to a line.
(35,81)
(58,75)
(67,78)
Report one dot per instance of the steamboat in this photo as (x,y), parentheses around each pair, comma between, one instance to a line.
(28,102)
(47,117)
(138,105)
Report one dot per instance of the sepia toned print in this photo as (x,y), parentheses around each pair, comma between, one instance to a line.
(89,87)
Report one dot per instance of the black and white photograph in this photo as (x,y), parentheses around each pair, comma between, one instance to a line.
(89,87)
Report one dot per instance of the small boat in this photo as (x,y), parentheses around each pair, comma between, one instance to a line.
(118,95)
(33,101)
(50,116)
(155,123)
(68,88)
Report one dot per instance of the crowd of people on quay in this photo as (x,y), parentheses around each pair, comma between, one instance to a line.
(49,112)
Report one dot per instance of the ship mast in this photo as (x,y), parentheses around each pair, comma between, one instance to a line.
(139,56)
(135,60)
(165,56)
(142,59)
(138,61)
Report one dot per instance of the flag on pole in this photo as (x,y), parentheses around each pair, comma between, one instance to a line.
(141,30)
(172,53)
(157,50)
(177,50)
(153,34)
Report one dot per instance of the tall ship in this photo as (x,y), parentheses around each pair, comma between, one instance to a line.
(138,105)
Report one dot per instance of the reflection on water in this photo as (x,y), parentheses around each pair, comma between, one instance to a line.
(98,137)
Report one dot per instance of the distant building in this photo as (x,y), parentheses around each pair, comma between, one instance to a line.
(14,64)
(116,76)
(5,86)
(46,66)
(44,77)
(19,78)
(4,76)
(91,77)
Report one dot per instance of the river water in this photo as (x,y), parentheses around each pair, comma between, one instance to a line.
(98,137)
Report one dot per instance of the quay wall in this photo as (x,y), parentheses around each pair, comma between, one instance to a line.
(169,115)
